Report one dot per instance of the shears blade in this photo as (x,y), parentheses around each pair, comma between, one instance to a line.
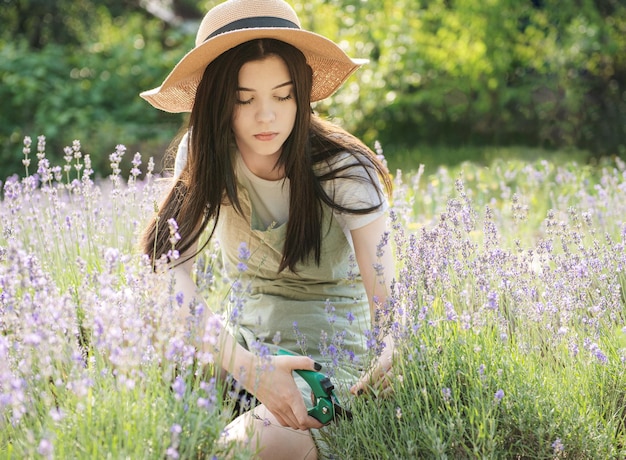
(340,412)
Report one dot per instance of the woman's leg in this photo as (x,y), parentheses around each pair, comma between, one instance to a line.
(260,432)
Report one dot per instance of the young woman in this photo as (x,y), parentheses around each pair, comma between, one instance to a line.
(301,197)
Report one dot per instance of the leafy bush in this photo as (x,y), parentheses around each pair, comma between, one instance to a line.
(502,72)
(473,73)
(91,92)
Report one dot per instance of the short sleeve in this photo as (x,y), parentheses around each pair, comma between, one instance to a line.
(181,155)
(357,187)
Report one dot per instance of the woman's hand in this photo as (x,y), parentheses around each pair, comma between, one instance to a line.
(377,379)
(276,388)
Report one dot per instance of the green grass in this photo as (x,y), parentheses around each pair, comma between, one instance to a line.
(434,156)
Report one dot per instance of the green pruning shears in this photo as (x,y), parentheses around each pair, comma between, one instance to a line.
(327,407)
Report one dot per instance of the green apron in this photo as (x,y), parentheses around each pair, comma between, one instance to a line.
(330,310)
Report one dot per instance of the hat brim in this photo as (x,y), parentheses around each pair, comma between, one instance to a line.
(331,66)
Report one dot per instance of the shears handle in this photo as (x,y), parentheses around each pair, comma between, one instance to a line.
(322,389)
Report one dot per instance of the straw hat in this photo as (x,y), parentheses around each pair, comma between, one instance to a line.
(237,21)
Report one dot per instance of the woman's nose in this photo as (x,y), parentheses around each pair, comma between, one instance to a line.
(266,112)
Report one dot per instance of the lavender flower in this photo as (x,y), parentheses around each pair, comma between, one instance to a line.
(557,446)
(45,448)
(136,162)
(595,350)
(492,300)
(330,312)
(244,252)
(26,151)
(180,297)
(301,340)
(179,388)
(174,235)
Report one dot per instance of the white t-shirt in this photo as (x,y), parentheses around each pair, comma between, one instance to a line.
(270,199)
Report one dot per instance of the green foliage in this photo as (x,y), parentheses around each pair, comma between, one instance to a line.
(441,73)
(433,156)
(41,22)
(499,72)
(90,92)
(119,418)
(469,395)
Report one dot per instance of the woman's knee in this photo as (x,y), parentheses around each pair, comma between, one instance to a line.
(259,432)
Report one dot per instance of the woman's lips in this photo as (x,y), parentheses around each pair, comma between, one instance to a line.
(265,136)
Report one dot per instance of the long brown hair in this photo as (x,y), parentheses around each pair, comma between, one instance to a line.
(208,179)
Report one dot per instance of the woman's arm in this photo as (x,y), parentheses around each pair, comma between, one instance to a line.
(377,266)
(271,382)
(375,260)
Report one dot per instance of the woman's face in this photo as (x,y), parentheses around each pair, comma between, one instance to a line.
(264,114)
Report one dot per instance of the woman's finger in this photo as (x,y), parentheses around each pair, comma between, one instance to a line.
(374,382)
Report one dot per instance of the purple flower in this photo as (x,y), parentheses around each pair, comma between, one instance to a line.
(136,162)
(380,248)
(372,342)
(69,155)
(174,235)
(242,267)
(598,353)
(56,414)
(451,314)
(179,388)
(78,154)
(330,312)
(180,297)
(301,338)
(45,448)
(492,300)
(12,188)
(557,446)
(244,252)
(204,403)
(499,395)
(261,349)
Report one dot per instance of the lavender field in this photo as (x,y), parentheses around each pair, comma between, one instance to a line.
(511,341)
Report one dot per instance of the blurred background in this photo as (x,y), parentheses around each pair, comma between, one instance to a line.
(448,80)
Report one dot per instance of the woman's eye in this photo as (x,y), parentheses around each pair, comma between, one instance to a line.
(278,98)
